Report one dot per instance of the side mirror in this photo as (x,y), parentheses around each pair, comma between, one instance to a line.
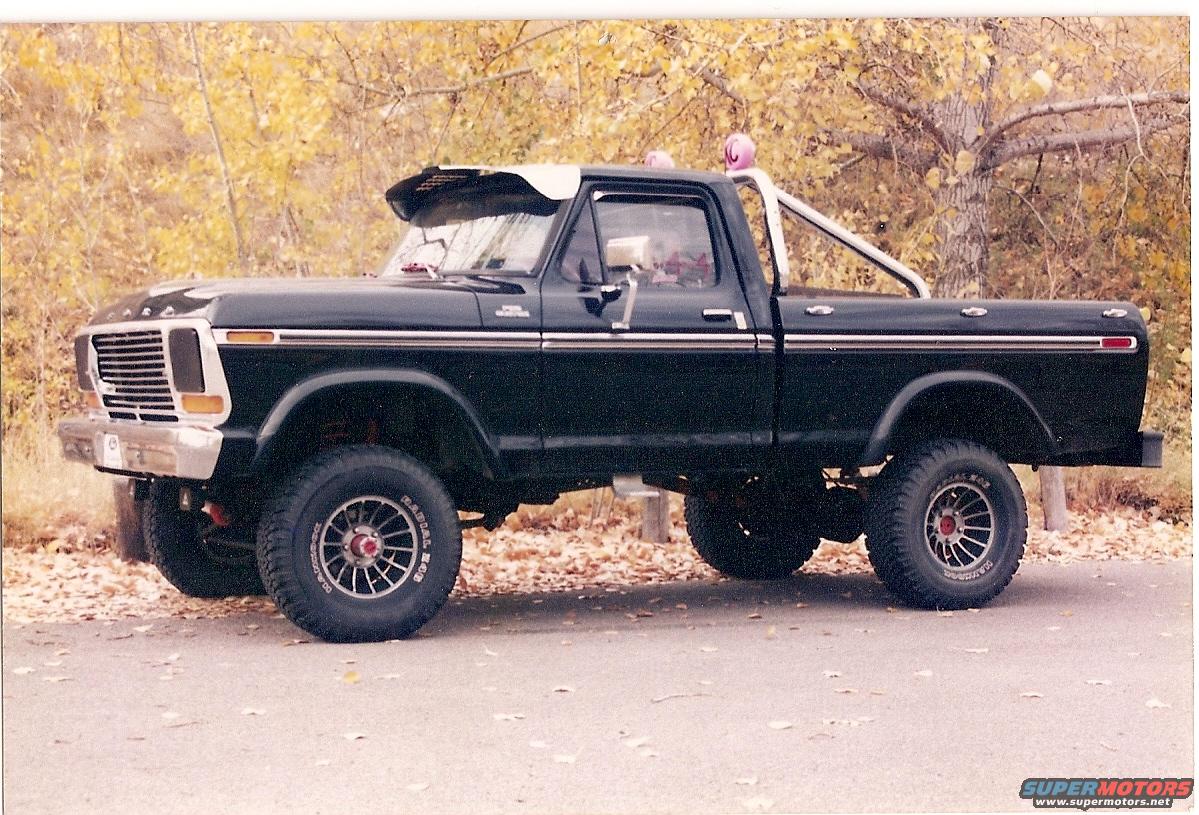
(627,253)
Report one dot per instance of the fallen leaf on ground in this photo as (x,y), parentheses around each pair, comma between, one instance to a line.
(564,689)
(1032,694)
(351,678)
(353,736)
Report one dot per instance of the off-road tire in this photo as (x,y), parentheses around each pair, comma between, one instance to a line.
(905,546)
(175,544)
(747,543)
(293,532)
(129,543)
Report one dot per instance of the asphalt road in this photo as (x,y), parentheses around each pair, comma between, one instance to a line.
(562,702)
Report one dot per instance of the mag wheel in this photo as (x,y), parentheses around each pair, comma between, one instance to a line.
(361,544)
(946,525)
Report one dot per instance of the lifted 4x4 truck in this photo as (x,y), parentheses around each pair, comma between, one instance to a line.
(541,329)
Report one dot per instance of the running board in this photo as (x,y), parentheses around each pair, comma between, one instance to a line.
(631,486)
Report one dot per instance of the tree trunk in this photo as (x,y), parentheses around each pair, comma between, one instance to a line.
(1053,499)
(962,235)
(655,518)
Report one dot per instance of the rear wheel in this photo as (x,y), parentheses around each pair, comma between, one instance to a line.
(742,532)
(192,552)
(362,544)
(946,525)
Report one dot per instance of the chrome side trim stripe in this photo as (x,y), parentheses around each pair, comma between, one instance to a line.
(604,341)
(941,342)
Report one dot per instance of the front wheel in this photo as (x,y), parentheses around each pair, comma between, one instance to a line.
(946,525)
(362,544)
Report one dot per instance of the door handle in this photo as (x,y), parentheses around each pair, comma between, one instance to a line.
(974,311)
(819,311)
(718,314)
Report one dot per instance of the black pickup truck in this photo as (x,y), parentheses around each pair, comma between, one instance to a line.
(541,329)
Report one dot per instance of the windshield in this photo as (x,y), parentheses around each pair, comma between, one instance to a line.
(496,228)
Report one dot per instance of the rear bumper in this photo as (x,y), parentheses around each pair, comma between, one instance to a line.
(138,449)
(1142,449)
(1150,449)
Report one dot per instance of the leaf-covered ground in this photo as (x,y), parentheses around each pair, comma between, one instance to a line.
(66,579)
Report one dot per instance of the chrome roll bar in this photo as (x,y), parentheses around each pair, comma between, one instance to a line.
(773,198)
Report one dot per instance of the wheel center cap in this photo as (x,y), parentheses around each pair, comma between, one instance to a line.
(947,525)
(364,546)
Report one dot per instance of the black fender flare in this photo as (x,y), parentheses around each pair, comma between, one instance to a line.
(299,394)
(876,447)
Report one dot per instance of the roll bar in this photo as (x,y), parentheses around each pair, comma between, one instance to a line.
(773,199)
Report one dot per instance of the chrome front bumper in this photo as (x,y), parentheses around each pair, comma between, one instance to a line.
(167,450)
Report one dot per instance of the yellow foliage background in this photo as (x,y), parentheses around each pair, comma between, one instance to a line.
(113,179)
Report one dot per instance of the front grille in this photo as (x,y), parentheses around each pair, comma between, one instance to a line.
(133,372)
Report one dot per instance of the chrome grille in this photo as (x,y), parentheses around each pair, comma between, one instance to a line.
(133,376)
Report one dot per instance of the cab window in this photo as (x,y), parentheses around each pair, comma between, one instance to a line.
(679,232)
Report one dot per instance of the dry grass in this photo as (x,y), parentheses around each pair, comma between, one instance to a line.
(1163,493)
(49,502)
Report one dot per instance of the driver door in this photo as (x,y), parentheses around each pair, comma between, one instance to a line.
(682,384)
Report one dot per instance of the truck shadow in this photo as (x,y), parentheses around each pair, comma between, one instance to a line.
(677,604)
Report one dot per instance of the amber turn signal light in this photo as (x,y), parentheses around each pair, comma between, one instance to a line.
(91,399)
(250,337)
(199,403)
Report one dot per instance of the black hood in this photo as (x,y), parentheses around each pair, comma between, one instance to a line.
(413,302)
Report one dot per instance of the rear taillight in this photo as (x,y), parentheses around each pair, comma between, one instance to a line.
(1116,343)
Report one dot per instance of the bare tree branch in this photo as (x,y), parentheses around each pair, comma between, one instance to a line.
(1080,105)
(230,198)
(885,147)
(531,38)
(913,111)
(1006,151)
(482,80)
